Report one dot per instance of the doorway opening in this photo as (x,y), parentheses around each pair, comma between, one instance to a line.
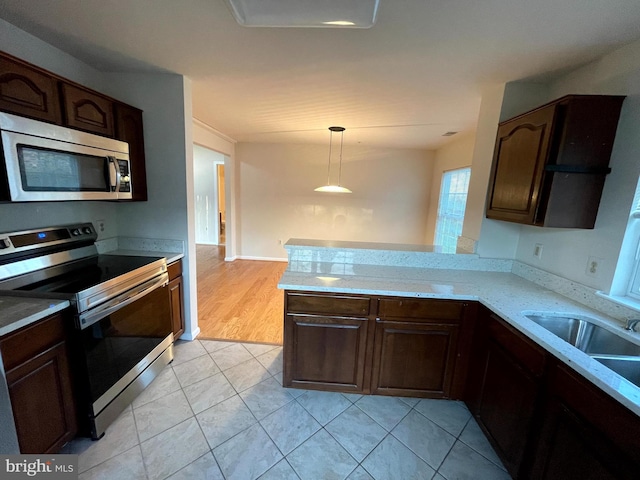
(209,191)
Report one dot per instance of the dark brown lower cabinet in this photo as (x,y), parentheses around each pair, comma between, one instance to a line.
(585,434)
(325,353)
(357,343)
(40,388)
(413,359)
(509,368)
(416,346)
(176,298)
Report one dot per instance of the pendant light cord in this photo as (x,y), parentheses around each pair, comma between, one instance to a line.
(340,168)
(329,167)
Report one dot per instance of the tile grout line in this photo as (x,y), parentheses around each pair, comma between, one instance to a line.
(139,444)
(272,376)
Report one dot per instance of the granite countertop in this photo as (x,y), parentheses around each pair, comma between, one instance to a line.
(17,312)
(508,295)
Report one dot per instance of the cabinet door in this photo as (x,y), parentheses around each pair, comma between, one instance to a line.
(325,353)
(87,110)
(129,128)
(176,296)
(28,91)
(522,147)
(412,358)
(42,401)
(585,434)
(507,404)
(504,388)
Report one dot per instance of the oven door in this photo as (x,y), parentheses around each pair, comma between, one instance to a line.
(123,340)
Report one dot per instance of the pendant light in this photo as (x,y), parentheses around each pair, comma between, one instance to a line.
(328,187)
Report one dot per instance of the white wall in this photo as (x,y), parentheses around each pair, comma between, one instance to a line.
(205,186)
(456,154)
(566,252)
(493,239)
(389,202)
(18,216)
(166,103)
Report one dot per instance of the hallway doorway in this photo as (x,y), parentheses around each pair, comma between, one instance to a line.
(209,191)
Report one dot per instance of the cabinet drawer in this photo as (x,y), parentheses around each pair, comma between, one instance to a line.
(524,350)
(327,304)
(174,269)
(19,346)
(423,309)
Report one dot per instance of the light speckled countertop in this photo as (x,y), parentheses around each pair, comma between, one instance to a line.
(17,312)
(506,294)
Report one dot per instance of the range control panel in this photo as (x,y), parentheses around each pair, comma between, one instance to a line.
(24,241)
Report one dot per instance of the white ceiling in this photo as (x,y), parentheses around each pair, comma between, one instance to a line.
(413,76)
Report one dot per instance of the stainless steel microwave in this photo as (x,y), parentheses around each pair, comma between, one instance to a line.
(44,162)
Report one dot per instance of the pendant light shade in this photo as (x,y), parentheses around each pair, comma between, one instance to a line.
(329,187)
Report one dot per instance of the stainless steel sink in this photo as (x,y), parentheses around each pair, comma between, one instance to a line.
(586,336)
(613,351)
(627,367)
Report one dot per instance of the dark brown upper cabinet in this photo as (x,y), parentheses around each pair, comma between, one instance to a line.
(550,164)
(28,92)
(128,128)
(87,110)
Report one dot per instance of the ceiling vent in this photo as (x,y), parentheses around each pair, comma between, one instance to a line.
(449,134)
(305,13)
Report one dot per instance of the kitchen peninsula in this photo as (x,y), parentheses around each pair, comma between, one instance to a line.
(405,320)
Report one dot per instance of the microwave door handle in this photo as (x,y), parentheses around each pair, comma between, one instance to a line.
(114,177)
(89,318)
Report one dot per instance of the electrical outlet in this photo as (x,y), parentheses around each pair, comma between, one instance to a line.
(537,251)
(279,241)
(593,265)
(99,226)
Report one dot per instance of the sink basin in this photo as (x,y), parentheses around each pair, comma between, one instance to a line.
(586,336)
(613,351)
(627,367)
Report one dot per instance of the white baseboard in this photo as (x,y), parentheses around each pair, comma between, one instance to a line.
(190,336)
(268,259)
(230,259)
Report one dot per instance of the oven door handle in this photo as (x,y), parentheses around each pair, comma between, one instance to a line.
(90,317)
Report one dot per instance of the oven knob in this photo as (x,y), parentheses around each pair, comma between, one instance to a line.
(86,230)
(75,232)
(4,243)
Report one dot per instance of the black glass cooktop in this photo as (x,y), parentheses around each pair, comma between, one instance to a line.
(88,273)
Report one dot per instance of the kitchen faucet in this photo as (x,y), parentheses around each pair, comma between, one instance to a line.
(631,324)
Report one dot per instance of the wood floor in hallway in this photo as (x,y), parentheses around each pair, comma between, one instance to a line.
(238,300)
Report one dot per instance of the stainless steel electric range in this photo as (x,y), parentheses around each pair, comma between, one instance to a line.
(120,328)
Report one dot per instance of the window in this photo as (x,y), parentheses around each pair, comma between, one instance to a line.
(453,200)
(625,288)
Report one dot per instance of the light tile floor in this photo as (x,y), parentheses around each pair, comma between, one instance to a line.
(219,412)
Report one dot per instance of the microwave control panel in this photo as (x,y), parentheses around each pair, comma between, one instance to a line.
(125,178)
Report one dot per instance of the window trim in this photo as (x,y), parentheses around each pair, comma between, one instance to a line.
(439,217)
(627,271)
